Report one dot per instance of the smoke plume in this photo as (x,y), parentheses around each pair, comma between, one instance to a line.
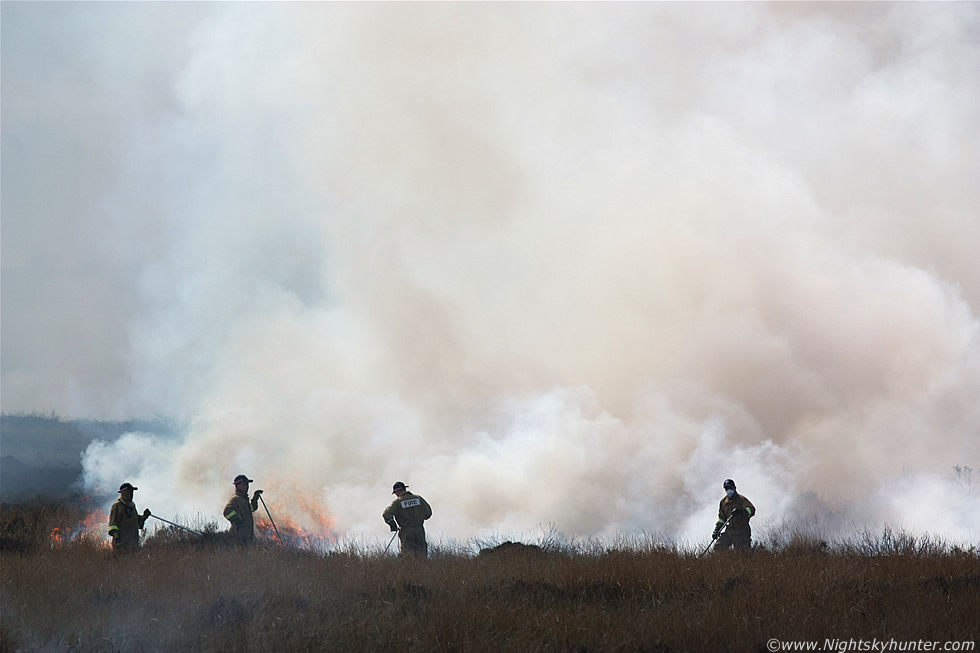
(567,265)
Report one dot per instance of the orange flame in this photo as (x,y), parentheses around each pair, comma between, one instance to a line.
(316,535)
(57,538)
(92,528)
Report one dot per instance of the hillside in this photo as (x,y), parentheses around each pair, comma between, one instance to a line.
(40,455)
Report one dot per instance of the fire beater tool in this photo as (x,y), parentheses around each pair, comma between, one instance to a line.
(719,534)
(271,520)
(190,530)
(391,540)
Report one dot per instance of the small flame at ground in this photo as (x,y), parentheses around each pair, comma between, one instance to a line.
(316,536)
(92,529)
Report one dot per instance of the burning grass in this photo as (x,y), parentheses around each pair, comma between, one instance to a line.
(188,593)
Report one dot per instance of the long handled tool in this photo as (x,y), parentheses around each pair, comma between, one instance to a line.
(393,535)
(714,539)
(271,520)
(190,530)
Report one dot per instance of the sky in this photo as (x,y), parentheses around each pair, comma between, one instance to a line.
(553,265)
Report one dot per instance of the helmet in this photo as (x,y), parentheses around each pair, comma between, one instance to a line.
(398,486)
(729,483)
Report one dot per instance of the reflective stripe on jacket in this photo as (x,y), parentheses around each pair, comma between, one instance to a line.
(239,512)
(125,524)
(739,522)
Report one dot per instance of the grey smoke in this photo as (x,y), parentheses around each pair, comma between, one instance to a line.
(570,264)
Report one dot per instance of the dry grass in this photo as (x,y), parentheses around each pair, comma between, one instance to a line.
(177,595)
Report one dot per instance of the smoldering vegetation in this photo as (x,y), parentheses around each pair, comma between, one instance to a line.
(183,592)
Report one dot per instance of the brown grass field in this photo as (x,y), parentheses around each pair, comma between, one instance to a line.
(197,594)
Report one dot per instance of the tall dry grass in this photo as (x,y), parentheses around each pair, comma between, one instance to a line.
(203,596)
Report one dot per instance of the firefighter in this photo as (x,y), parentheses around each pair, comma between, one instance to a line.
(124,522)
(740,509)
(405,515)
(239,510)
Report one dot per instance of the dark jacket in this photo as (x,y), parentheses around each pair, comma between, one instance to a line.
(124,526)
(409,511)
(739,522)
(239,512)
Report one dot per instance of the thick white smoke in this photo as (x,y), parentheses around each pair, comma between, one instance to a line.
(547,264)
